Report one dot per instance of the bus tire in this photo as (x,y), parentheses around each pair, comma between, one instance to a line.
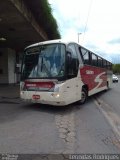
(84,96)
(108,85)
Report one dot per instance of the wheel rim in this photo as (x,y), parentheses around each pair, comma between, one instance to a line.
(83,97)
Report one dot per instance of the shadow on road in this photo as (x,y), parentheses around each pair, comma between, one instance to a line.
(47,108)
(55,109)
(102,93)
(11,109)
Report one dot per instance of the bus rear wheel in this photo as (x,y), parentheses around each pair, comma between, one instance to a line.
(108,86)
(83,96)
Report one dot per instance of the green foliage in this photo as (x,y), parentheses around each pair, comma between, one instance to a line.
(48,21)
(42,12)
(116,68)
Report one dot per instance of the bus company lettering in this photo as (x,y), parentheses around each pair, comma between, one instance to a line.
(89,72)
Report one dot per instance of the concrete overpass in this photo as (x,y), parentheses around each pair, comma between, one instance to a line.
(20,25)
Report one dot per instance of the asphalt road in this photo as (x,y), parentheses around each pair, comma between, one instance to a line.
(90,128)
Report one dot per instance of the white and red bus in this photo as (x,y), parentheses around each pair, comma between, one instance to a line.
(59,73)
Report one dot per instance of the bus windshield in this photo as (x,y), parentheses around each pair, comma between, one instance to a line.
(44,61)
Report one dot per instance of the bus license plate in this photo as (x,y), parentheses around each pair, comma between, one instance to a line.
(36,96)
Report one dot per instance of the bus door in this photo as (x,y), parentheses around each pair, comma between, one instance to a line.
(72,71)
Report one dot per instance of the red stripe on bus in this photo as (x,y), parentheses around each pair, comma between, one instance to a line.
(39,84)
(93,77)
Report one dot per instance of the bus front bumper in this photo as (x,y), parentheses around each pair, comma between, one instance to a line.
(50,98)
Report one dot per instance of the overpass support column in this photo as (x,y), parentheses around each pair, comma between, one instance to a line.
(7,66)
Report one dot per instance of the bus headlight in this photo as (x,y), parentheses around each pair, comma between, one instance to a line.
(56,95)
(21,93)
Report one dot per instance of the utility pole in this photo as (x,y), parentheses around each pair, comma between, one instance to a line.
(78,36)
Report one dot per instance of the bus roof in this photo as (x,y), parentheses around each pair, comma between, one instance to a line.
(64,42)
(47,42)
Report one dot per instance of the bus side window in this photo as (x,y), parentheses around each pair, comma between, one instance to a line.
(81,54)
(94,60)
(85,55)
(100,63)
(104,63)
(109,65)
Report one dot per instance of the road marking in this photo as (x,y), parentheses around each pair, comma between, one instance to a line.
(66,127)
(111,117)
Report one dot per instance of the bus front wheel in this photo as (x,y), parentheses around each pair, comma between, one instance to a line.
(83,96)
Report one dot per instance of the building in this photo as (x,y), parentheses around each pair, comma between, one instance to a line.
(22,22)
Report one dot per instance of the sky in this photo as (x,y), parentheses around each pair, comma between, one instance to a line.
(95,22)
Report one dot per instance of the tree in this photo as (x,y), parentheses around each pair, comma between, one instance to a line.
(116,68)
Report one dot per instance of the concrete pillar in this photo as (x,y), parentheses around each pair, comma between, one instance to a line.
(7,66)
(11,66)
(3,65)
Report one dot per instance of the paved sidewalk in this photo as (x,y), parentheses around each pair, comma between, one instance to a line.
(9,91)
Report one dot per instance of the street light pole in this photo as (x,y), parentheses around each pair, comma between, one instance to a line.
(78,36)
